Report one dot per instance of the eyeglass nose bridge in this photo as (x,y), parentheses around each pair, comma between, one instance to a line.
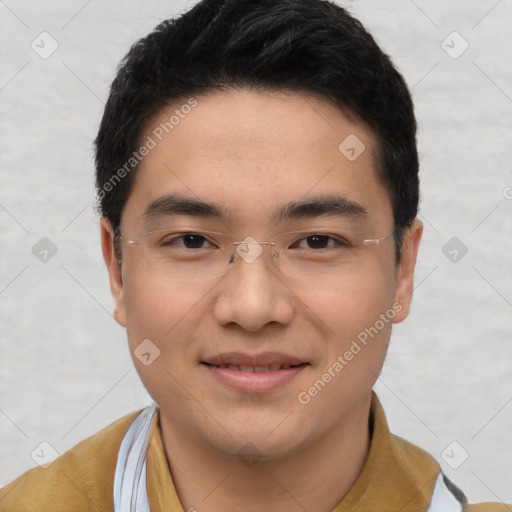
(250,258)
(253,242)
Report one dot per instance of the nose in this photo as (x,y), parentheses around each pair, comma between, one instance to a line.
(252,293)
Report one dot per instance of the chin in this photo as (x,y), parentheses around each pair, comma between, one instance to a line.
(257,449)
(262,444)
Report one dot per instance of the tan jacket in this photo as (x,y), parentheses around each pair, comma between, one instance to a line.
(397,476)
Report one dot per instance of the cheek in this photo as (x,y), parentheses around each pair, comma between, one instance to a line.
(355,301)
(159,316)
(165,313)
(154,305)
(356,347)
(358,311)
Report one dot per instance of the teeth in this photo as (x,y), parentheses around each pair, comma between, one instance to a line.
(255,369)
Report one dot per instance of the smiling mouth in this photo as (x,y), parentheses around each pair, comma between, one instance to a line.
(247,378)
(256,369)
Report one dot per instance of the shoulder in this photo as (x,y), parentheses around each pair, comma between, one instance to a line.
(488,507)
(416,458)
(83,476)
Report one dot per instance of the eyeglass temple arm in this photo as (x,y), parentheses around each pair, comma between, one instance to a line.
(379,240)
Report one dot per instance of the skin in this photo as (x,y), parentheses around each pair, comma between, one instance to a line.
(250,151)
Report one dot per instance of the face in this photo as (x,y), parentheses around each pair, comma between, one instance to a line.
(248,155)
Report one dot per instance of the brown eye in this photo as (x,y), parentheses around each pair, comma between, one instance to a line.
(188,240)
(193,241)
(319,241)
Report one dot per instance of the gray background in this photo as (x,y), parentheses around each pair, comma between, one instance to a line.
(65,371)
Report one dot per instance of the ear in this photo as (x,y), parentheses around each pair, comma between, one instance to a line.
(405,271)
(114,270)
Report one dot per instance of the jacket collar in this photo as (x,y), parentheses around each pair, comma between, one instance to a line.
(397,476)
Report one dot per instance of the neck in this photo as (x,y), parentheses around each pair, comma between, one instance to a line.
(316,478)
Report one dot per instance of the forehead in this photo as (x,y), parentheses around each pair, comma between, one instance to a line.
(248,149)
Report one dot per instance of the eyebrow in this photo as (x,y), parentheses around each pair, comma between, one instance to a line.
(175,204)
(330,205)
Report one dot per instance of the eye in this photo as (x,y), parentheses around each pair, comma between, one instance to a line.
(319,241)
(186,240)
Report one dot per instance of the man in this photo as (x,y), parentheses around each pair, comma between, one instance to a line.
(257,176)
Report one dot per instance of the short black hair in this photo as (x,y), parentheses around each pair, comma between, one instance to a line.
(310,46)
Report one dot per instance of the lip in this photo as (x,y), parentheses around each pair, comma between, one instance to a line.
(262,359)
(256,381)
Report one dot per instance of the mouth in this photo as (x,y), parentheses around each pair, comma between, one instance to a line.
(254,374)
(256,369)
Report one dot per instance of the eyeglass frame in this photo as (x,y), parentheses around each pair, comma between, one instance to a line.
(275,256)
